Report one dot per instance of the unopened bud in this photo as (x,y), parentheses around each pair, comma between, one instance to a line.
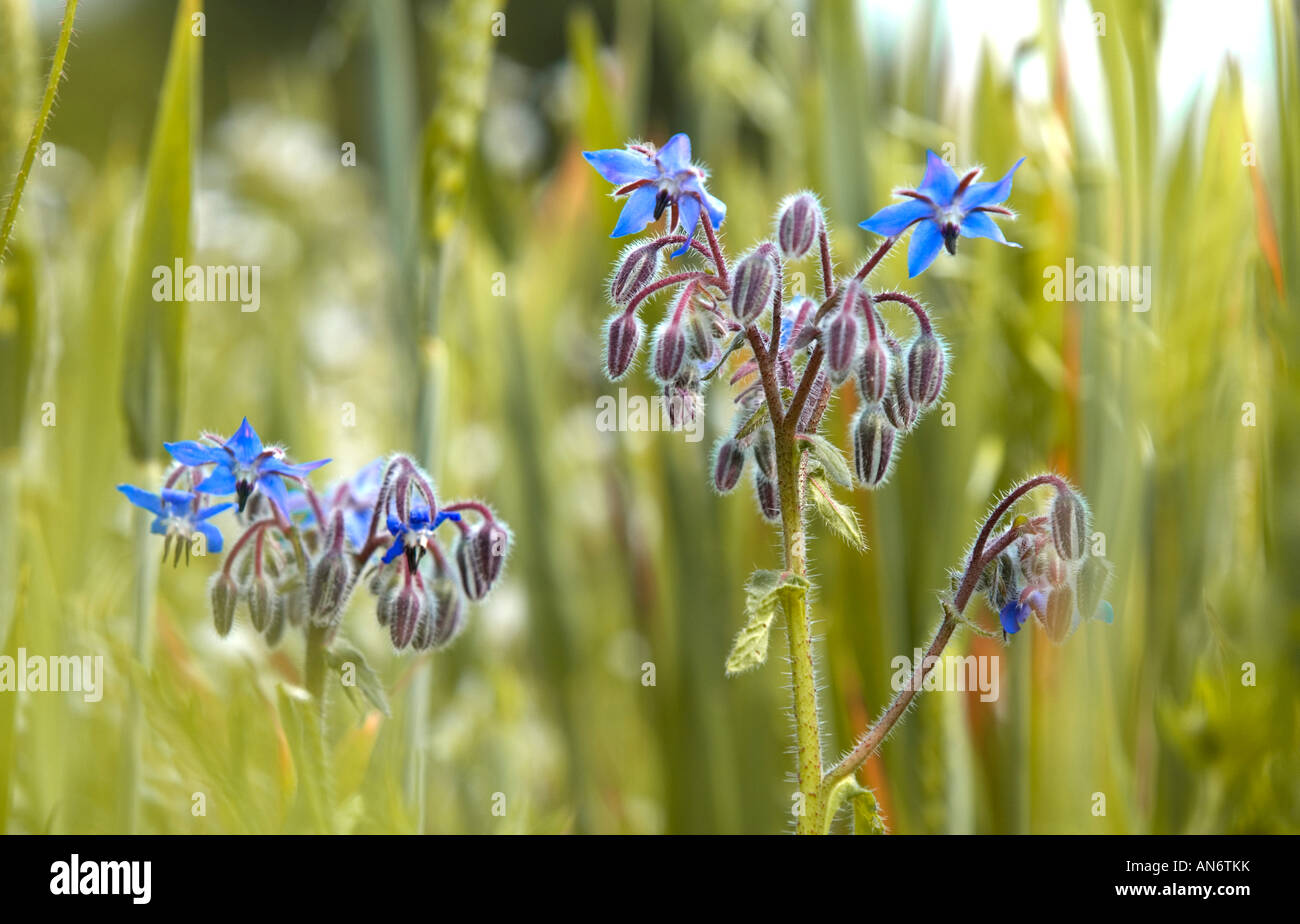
(926,366)
(223,593)
(1059,614)
(873,371)
(797,224)
(404,615)
(329,585)
(669,350)
(752,285)
(489,544)
(765,452)
(874,438)
(259,603)
(701,333)
(279,619)
(622,337)
(769,501)
(449,614)
(472,578)
(1069,525)
(896,402)
(637,268)
(728,463)
(841,344)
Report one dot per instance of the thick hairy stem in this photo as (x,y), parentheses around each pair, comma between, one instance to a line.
(314,666)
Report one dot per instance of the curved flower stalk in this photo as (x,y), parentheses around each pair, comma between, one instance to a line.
(787,359)
(300,555)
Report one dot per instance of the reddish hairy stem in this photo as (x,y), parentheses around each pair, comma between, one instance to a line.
(922,318)
(664,283)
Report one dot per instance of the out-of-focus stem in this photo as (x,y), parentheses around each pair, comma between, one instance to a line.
(146,579)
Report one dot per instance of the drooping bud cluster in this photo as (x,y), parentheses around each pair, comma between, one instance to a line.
(798,222)
(622,339)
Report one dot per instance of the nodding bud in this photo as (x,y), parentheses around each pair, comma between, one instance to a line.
(841,344)
(873,371)
(279,619)
(488,544)
(797,224)
(622,337)
(223,594)
(752,285)
(637,268)
(404,615)
(259,603)
(683,399)
(669,350)
(1058,616)
(728,463)
(1069,524)
(765,452)
(472,578)
(448,613)
(329,585)
(291,597)
(874,438)
(926,366)
(701,334)
(769,502)
(897,404)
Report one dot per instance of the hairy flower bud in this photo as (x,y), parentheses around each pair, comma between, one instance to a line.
(404,615)
(841,344)
(449,614)
(873,446)
(873,371)
(669,350)
(926,366)
(279,619)
(489,544)
(897,403)
(1059,614)
(622,337)
(701,334)
(752,285)
(223,592)
(637,268)
(329,585)
(259,603)
(769,501)
(728,463)
(797,224)
(472,577)
(291,597)
(1069,525)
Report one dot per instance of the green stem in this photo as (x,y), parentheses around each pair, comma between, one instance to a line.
(38,128)
(146,571)
(314,667)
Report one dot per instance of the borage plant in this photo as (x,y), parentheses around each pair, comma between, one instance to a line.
(301,554)
(794,354)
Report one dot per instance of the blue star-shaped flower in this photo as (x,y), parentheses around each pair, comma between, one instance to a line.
(948,208)
(242,465)
(413,536)
(654,180)
(177,514)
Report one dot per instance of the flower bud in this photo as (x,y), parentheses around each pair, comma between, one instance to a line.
(449,614)
(329,586)
(769,501)
(873,371)
(223,592)
(683,399)
(669,350)
(404,615)
(637,268)
(728,463)
(279,619)
(472,578)
(1069,525)
(926,366)
(701,333)
(489,544)
(622,337)
(873,446)
(896,402)
(841,345)
(1059,614)
(752,285)
(291,596)
(259,603)
(797,224)
(765,452)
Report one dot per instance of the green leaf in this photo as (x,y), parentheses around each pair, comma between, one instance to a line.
(368,681)
(763,595)
(755,421)
(831,460)
(302,730)
(839,517)
(152,379)
(866,812)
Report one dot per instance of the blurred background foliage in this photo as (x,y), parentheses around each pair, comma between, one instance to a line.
(380,292)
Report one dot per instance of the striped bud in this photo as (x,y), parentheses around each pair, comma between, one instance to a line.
(669,350)
(279,619)
(752,285)
(404,616)
(765,452)
(1069,525)
(926,367)
(291,597)
(728,463)
(259,603)
(329,586)
(701,333)
(636,269)
(489,544)
(797,224)
(873,371)
(622,337)
(223,593)
(769,502)
(472,578)
(841,344)
(449,614)
(873,446)
(897,404)
(1059,614)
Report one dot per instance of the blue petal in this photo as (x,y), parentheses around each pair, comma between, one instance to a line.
(443,516)
(175,498)
(688,217)
(893,220)
(142,498)
(716,208)
(208,512)
(926,243)
(638,212)
(245,443)
(620,166)
(273,488)
(296,470)
(939,182)
(1013,616)
(211,534)
(356,525)
(397,548)
(979,224)
(978,194)
(675,155)
(192,452)
(221,481)
(158,527)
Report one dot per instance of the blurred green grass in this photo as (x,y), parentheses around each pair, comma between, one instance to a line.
(624,556)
